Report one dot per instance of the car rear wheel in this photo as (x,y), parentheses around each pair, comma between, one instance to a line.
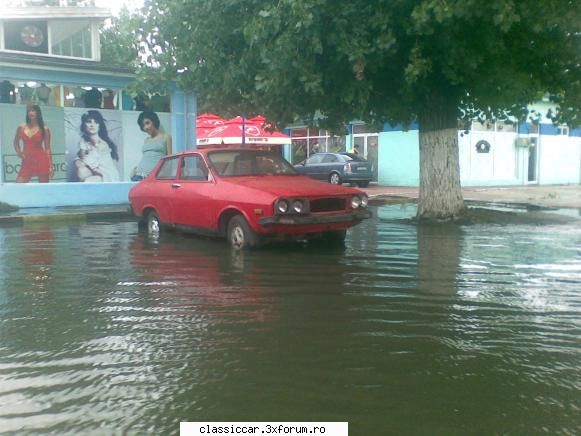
(153,224)
(240,235)
(364,184)
(335,179)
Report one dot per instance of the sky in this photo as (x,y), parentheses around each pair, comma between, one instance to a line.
(116,5)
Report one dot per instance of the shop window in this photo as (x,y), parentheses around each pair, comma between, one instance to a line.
(298,133)
(74,96)
(299,150)
(336,144)
(43,94)
(563,130)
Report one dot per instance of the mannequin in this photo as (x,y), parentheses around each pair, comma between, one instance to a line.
(93,98)
(108,99)
(25,92)
(7,92)
(79,92)
(43,94)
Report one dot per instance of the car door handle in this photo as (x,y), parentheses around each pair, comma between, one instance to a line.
(176,185)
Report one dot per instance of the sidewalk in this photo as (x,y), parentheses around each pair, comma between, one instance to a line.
(554,196)
(551,196)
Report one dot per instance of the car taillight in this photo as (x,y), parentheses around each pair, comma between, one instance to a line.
(347,168)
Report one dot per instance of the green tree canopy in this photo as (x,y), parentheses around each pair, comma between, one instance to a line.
(120,39)
(396,61)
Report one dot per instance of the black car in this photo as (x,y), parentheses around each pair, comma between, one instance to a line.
(337,168)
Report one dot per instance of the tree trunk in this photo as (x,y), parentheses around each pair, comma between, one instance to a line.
(440,190)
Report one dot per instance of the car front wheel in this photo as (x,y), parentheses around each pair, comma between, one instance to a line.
(153,224)
(335,179)
(364,184)
(240,235)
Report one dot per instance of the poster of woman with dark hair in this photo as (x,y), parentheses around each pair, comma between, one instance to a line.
(97,152)
(32,145)
(95,157)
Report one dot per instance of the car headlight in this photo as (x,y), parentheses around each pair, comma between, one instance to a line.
(282,206)
(355,202)
(364,200)
(298,206)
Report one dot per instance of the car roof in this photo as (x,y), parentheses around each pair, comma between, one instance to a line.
(206,151)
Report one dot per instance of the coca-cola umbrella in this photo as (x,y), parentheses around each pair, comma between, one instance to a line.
(254,129)
(205,123)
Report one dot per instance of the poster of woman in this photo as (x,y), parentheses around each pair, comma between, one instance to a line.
(156,145)
(93,141)
(146,139)
(31,144)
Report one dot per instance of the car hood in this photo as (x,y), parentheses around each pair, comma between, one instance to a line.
(291,186)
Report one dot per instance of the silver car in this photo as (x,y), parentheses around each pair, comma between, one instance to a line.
(337,168)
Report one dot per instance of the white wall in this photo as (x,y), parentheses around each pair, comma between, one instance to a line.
(497,167)
(559,160)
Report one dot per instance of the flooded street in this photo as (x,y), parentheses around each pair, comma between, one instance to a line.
(441,329)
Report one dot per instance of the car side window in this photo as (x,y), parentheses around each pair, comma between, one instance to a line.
(315,159)
(169,169)
(194,168)
(330,158)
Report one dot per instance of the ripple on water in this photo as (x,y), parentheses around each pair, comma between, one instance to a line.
(104,331)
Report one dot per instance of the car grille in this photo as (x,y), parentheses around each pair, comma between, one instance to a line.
(327,204)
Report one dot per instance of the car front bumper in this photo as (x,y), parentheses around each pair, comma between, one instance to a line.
(301,220)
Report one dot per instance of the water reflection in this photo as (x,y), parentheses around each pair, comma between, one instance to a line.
(105,331)
(439,251)
(37,262)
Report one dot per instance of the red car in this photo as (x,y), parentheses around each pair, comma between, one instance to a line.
(246,195)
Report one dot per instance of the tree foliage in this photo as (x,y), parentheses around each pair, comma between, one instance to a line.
(395,61)
(382,60)
(120,38)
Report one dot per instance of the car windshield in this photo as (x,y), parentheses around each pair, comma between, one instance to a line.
(249,163)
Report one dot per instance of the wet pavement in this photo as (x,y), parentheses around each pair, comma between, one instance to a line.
(553,196)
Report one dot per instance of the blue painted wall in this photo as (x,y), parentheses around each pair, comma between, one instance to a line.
(399,158)
(25,195)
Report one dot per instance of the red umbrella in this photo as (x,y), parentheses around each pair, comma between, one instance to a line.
(206,123)
(254,129)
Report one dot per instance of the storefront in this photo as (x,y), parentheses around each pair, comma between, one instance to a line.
(49,61)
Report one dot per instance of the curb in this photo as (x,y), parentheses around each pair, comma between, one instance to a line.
(124,215)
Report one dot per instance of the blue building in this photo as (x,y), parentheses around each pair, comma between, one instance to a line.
(50,57)
(491,154)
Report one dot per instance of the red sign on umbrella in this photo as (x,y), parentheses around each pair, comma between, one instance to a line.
(205,123)
(254,133)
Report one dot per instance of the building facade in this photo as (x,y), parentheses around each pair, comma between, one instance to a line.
(50,58)
(491,154)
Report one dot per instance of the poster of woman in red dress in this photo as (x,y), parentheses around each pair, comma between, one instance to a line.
(32,144)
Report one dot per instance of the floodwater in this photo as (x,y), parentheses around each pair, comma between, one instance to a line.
(443,329)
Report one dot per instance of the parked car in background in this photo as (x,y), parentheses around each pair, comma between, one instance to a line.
(246,195)
(337,168)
